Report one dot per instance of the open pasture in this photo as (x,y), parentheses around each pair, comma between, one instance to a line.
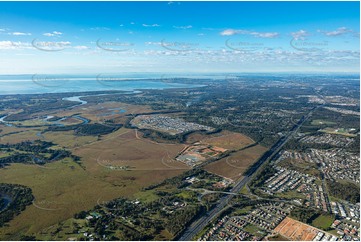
(234,165)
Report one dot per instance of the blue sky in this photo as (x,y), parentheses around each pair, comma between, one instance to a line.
(119,37)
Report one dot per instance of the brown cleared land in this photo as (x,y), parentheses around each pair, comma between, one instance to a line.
(235,164)
(225,139)
(229,141)
(198,153)
(295,230)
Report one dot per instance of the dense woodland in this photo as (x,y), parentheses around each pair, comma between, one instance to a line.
(305,215)
(148,218)
(21,196)
(87,129)
(345,190)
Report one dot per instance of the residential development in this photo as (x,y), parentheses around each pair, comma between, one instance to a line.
(167,124)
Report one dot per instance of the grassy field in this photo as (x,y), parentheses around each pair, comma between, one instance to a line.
(291,195)
(229,141)
(323,221)
(244,191)
(242,211)
(68,139)
(225,139)
(63,188)
(234,165)
(301,166)
(321,122)
(124,148)
(250,228)
(21,135)
(340,131)
(114,165)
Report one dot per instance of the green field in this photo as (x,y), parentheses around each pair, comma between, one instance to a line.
(340,131)
(242,211)
(250,228)
(321,122)
(301,166)
(291,195)
(323,221)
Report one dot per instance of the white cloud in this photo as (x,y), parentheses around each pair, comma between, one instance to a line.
(183,27)
(99,28)
(301,34)
(13,45)
(54,33)
(337,32)
(153,43)
(6,44)
(150,25)
(171,3)
(265,35)
(20,34)
(81,47)
(230,32)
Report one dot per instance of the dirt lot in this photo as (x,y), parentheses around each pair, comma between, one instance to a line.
(295,230)
(199,153)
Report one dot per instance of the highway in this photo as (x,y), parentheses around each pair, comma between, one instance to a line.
(199,224)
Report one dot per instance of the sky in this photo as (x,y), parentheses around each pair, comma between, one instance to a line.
(179,37)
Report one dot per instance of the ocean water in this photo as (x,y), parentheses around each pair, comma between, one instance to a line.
(38,84)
